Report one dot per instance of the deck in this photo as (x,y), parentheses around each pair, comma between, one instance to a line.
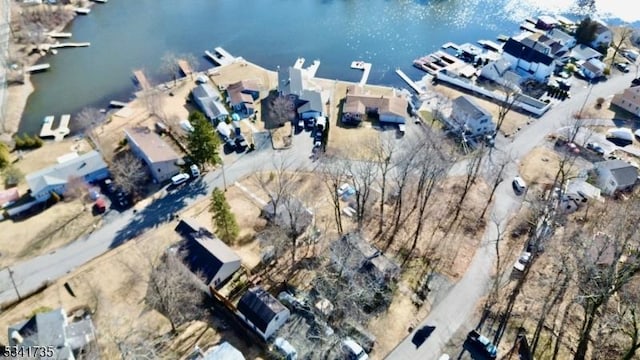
(488,44)
(410,82)
(185,67)
(58,133)
(366,67)
(36,68)
(141,79)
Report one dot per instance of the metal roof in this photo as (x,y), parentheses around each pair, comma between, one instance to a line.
(259,307)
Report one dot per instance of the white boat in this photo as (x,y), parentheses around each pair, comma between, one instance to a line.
(82,11)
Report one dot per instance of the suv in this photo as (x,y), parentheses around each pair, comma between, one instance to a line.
(180,179)
(354,350)
(593,146)
(480,347)
(519,185)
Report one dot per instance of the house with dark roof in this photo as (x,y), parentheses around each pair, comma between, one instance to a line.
(557,49)
(208,100)
(262,312)
(53,329)
(471,117)
(54,179)
(615,175)
(205,255)
(160,158)
(562,37)
(242,95)
(390,109)
(602,36)
(530,57)
(592,69)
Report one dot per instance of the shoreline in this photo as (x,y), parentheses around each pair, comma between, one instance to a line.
(18,94)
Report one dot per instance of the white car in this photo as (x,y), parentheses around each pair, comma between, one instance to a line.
(180,179)
(195,172)
(519,185)
(343,188)
(522,261)
(354,350)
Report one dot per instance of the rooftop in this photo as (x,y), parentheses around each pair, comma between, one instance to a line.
(151,144)
(60,174)
(259,307)
(623,172)
(470,107)
(528,50)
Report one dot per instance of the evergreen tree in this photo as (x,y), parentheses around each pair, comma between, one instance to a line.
(4,156)
(586,31)
(203,142)
(224,221)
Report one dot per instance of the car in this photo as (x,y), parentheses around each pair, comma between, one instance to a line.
(622,66)
(479,346)
(595,147)
(635,82)
(180,178)
(573,147)
(110,185)
(522,261)
(195,172)
(343,188)
(353,350)
(519,185)
(285,348)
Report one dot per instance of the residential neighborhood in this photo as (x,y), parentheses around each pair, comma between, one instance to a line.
(477,206)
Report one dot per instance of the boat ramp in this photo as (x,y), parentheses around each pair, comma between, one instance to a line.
(58,133)
(141,79)
(365,66)
(220,56)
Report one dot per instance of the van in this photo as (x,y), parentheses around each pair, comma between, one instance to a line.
(195,172)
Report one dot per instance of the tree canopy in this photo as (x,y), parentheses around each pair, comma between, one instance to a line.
(224,221)
(586,31)
(203,142)
(4,155)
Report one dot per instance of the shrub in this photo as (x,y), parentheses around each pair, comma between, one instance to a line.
(607,71)
(25,142)
(4,156)
(12,176)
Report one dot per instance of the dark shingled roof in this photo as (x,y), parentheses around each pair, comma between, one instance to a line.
(259,307)
(470,107)
(527,50)
(624,173)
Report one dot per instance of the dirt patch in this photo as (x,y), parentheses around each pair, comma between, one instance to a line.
(540,166)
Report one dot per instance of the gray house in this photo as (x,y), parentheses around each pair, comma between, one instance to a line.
(53,329)
(615,175)
(208,100)
(54,179)
(262,312)
(156,153)
(308,102)
(472,117)
(206,255)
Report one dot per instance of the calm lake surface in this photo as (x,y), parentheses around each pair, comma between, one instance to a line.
(131,34)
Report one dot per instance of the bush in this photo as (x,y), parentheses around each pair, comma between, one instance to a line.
(25,142)
(12,176)
(607,71)
(4,156)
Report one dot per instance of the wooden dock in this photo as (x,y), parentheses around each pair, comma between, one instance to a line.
(299,63)
(36,68)
(59,35)
(141,79)
(366,67)
(117,104)
(185,67)
(60,132)
(528,27)
(100,1)
(59,45)
(410,82)
(220,56)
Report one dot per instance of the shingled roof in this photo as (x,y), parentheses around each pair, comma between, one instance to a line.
(528,50)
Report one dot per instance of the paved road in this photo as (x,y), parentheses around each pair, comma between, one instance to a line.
(32,273)
(455,310)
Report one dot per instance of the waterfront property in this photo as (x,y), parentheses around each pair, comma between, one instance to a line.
(54,333)
(156,153)
(262,312)
(592,69)
(584,53)
(60,132)
(208,100)
(562,37)
(628,100)
(529,58)
(242,95)
(307,100)
(208,258)
(89,167)
(603,35)
(471,117)
(357,104)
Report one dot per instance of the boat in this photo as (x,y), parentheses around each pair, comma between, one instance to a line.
(82,11)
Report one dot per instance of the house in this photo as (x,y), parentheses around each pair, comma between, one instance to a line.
(262,312)
(223,351)
(557,49)
(603,35)
(593,69)
(160,158)
(584,53)
(615,175)
(206,255)
(500,72)
(54,179)
(529,56)
(208,100)
(562,37)
(353,252)
(546,22)
(628,100)
(289,212)
(54,332)
(472,117)
(390,109)
(308,102)
(242,95)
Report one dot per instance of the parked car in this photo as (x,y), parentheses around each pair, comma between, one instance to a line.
(522,261)
(180,179)
(519,185)
(285,348)
(110,186)
(353,350)
(195,172)
(595,147)
(344,187)
(480,347)
(622,66)
(635,82)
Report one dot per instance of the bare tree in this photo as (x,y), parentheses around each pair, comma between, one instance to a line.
(335,174)
(473,166)
(129,172)
(87,120)
(363,175)
(383,152)
(510,96)
(76,188)
(169,66)
(282,110)
(624,36)
(192,61)
(277,183)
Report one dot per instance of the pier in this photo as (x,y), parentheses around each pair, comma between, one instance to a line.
(59,45)
(59,35)
(36,68)
(366,67)
(82,11)
(60,132)
(310,71)
(185,67)
(117,104)
(220,56)
(410,82)
(528,27)
(141,79)
(451,45)
(299,63)
(100,1)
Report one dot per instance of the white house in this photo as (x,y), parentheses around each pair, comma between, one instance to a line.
(500,72)
(593,69)
(530,57)
(156,153)
(615,175)
(262,312)
(584,53)
(208,100)
(206,255)
(562,37)
(472,117)
(603,36)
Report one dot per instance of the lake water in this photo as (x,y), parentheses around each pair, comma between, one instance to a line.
(130,34)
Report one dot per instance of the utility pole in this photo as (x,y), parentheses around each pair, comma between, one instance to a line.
(14,283)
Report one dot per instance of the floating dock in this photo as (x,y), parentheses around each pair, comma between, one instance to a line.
(220,56)
(366,67)
(117,104)
(141,79)
(185,67)
(410,82)
(82,11)
(313,68)
(60,132)
(36,68)
(452,46)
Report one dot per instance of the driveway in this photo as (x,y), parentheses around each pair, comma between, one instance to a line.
(457,309)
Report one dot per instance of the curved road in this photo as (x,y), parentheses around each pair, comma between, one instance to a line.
(458,307)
